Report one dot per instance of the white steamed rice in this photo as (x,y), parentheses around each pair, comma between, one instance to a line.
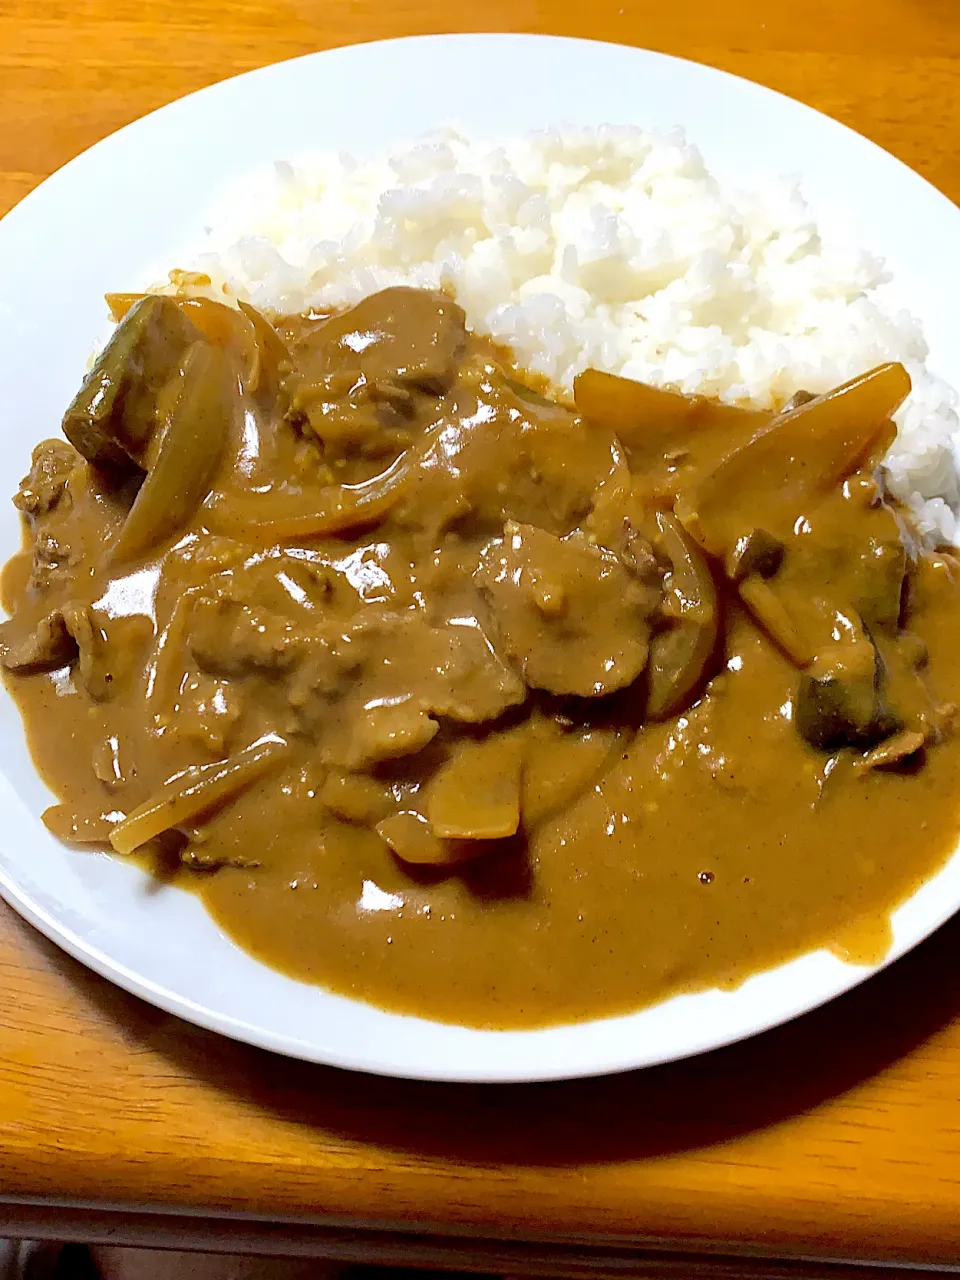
(612,247)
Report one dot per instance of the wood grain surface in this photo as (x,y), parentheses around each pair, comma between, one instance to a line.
(835,1137)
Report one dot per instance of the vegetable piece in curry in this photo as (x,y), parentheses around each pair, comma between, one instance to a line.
(473,704)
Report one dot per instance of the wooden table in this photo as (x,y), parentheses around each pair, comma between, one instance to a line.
(835,1138)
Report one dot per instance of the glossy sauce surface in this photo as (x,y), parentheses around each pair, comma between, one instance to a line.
(391,672)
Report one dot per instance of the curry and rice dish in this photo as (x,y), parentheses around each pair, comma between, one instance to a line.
(468,702)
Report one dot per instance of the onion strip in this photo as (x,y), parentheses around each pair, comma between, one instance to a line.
(188,794)
(273,518)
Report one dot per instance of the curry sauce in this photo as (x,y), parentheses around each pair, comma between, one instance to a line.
(468,703)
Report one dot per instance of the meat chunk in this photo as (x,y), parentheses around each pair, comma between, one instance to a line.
(450,670)
(358,376)
(370,684)
(466,680)
(385,732)
(104,649)
(53,560)
(86,626)
(42,489)
(572,616)
(408,337)
(208,711)
(45,647)
(232,639)
(377,688)
(499,456)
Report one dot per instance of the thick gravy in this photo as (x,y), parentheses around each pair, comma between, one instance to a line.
(454,700)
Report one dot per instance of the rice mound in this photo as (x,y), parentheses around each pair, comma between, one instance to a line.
(612,247)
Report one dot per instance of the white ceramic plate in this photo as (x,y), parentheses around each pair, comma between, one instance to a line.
(115,212)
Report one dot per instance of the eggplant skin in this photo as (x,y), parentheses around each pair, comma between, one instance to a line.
(113,418)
